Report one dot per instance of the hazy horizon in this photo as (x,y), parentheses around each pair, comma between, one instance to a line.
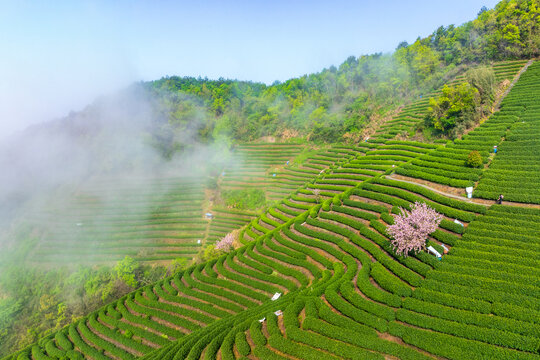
(59,58)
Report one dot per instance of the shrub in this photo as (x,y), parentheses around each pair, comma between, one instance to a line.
(474,159)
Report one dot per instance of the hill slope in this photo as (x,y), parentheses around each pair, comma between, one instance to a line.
(339,267)
(325,252)
(323,246)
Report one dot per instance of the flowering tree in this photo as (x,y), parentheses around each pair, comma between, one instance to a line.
(411,228)
(226,244)
(317,193)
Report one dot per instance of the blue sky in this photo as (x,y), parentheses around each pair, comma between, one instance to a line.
(59,56)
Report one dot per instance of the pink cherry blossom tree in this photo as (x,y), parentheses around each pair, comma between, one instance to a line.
(411,228)
(226,243)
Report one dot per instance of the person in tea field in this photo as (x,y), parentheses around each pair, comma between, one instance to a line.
(500,199)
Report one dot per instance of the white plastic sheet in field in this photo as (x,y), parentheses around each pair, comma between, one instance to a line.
(432,250)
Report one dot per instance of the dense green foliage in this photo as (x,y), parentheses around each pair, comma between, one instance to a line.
(509,30)
(244,198)
(461,106)
(340,101)
(490,81)
(474,159)
(456,105)
(484,80)
(40,302)
(323,106)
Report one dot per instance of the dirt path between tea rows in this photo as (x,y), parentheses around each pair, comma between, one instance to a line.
(450,192)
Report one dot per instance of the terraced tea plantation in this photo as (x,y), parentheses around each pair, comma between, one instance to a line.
(325,283)
(357,164)
(413,114)
(446,165)
(147,219)
(277,169)
(226,220)
(317,277)
(252,163)
(160,219)
(514,170)
(292,176)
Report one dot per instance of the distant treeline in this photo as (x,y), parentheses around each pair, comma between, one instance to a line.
(336,103)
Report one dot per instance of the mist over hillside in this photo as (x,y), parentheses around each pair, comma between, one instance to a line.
(133,174)
(122,135)
(61,184)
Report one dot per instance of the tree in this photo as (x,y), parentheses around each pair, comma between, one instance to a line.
(483,79)
(177,265)
(208,253)
(421,59)
(411,228)
(455,106)
(474,159)
(226,243)
(511,34)
(482,10)
(317,193)
(402,45)
(125,271)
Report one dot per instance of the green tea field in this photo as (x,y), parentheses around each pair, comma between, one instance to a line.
(387,208)
(317,277)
